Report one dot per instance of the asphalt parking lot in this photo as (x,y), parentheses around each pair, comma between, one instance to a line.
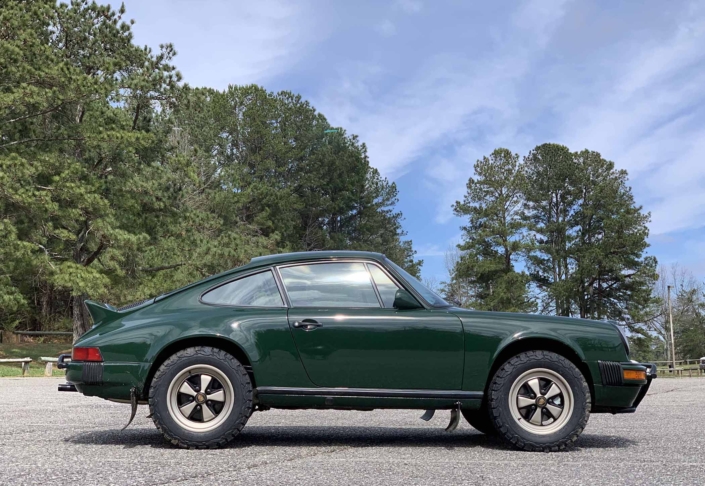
(64,438)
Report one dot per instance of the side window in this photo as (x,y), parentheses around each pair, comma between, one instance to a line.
(329,285)
(258,290)
(386,286)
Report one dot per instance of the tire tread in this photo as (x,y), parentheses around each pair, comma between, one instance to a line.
(243,414)
(501,380)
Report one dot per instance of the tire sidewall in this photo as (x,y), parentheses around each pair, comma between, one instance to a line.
(173,429)
(501,412)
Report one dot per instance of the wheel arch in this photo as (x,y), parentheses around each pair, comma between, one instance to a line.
(223,344)
(536,343)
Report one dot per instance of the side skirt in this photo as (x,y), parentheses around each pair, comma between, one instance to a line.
(365,398)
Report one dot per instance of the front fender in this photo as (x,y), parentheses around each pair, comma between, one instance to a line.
(488,334)
(544,335)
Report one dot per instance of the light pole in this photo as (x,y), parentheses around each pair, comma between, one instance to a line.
(670,320)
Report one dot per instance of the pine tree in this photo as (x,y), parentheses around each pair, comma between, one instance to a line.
(494,237)
(589,237)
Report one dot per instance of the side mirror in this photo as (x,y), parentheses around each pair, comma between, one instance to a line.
(403,300)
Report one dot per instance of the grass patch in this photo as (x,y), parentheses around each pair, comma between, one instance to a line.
(34,351)
(35,369)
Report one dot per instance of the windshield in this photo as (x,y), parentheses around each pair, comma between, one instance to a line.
(429,296)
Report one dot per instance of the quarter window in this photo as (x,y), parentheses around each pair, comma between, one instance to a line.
(329,285)
(259,290)
(385,285)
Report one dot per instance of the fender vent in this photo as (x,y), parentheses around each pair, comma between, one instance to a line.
(611,373)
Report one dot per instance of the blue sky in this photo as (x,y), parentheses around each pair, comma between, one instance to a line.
(431,86)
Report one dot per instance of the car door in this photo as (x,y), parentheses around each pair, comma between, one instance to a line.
(349,335)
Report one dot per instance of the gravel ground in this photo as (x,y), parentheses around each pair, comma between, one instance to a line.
(49,437)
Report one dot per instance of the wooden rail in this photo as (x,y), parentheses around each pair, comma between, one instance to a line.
(43,333)
(25,363)
(49,368)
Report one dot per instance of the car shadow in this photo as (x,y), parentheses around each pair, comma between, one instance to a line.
(308,436)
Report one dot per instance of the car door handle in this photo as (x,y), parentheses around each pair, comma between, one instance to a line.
(307,324)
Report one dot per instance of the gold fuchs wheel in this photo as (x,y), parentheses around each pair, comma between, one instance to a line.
(200,397)
(539,401)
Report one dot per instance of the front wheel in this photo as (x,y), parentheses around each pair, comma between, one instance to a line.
(539,401)
(200,397)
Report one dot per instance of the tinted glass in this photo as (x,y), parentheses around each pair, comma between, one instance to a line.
(259,290)
(386,287)
(329,285)
(429,296)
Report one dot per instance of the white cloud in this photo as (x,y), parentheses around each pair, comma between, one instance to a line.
(409,6)
(639,100)
(228,42)
(425,251)
(649,124)
(448,100)
(386,28)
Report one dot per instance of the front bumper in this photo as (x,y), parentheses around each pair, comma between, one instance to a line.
(614,394)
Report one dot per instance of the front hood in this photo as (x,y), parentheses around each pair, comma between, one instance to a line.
(529,318)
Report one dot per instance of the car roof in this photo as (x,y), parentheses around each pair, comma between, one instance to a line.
(279,258)
(313,255)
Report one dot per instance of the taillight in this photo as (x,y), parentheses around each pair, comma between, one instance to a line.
(86,354)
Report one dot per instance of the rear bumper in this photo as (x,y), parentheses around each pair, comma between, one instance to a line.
(112,381)
(614,394)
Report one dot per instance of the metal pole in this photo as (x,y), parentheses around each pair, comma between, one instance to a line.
(670,320)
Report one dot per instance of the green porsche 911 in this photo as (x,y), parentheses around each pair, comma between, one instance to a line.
(349,330)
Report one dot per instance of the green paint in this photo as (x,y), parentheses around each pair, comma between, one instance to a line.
(428,348)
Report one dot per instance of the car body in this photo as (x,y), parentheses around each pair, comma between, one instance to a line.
(702,363)
(346,330)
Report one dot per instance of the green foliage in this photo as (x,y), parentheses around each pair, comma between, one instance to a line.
(589,239)
(645,348)
(117,182)
(689,320)
(494,236)
(570,220)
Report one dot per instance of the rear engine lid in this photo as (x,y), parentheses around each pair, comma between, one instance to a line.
(103,313)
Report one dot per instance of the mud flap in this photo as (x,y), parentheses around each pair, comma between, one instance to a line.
(133,403)
(454,418)
(428,415)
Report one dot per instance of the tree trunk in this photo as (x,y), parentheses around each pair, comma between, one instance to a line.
(80,320)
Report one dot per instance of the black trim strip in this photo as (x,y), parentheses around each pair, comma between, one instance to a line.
(370,392)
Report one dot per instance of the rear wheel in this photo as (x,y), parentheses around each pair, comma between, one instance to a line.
(539,401)
(480,420)
(200,397)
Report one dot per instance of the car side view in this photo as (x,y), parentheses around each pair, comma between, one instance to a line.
(349,330)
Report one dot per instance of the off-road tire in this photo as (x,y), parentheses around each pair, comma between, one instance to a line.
(480,420)
(242,400)
(508,427)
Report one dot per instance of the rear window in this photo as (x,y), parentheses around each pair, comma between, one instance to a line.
(259,290)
